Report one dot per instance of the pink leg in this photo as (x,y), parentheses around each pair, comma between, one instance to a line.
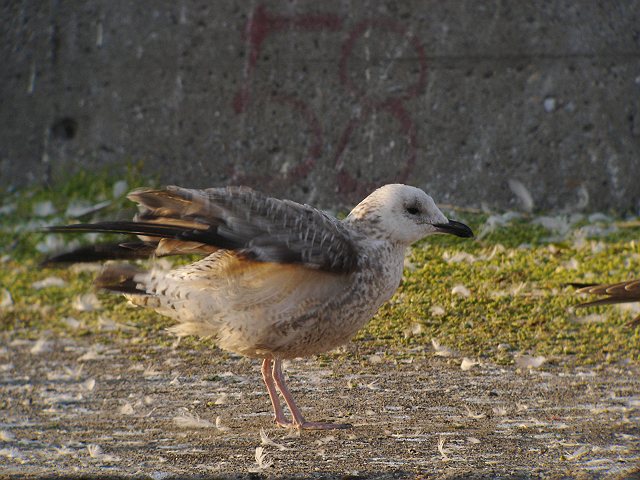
(279,417)
(298,418)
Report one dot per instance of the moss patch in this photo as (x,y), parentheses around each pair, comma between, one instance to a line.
(491,298)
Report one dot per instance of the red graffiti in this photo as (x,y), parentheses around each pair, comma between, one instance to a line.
(262,24)
(313,153)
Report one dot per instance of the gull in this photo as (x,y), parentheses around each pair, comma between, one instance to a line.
(611,293)
(279,280)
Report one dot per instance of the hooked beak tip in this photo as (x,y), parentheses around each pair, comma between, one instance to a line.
(458,229)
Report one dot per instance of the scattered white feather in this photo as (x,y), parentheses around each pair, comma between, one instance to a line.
(549,104)
(87,302)
(95,451)
(89,384)
(472,414)
(6,300)
(189,420)
(220,426)
(595,231)
(93,353)
(126,409)
(578,454)
(325,440)
(443,453)
(528,361)
(517,288)
(81,208)
(468,364)
(583,198)
(496,221)
(473,440)
(523,194)
(497,249)
(41,346)
(500,411)
(437,311)
(265,440)
(44,209)
(120,188)
(222,399)
(560,225)
(64,450)
(600,217)
(13,454)
(71,322)
(8,208)
(409,265)
(261,458)
(459,257)
(151,372)
(160,475)
(572,264)
(74,372)
(108,325)
(461,290)
(413,330)
(441,350)
(375,359)
(48,282)
(590,318)
(632,308)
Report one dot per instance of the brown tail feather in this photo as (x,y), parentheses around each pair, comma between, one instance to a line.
(120,278)
(103,251)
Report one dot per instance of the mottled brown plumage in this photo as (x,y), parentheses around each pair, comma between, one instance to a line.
(612,293)
(280,280)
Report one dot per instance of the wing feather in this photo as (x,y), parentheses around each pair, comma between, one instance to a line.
(260,227)
(256,227)
(612,293)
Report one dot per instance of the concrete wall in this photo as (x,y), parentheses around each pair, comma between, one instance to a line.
(321,101)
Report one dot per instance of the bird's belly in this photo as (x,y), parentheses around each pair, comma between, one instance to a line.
(319,329)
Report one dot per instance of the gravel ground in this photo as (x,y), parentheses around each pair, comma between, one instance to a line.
(131,408)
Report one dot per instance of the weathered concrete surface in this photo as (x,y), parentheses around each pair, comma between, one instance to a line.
(96,406)
(319,101)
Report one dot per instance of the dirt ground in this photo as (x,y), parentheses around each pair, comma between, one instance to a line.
(126,408)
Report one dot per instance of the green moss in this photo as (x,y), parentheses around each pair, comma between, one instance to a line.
(516,277)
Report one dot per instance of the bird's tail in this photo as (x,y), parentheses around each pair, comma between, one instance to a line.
(120,278)
(103,251)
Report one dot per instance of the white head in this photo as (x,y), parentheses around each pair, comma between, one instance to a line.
(403,214)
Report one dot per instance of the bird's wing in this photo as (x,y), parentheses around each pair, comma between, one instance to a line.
(613,293)
(621,292)
(255,226)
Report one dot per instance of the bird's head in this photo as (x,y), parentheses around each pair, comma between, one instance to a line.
(404,214)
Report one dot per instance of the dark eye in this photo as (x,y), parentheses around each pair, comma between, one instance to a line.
(413,210)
